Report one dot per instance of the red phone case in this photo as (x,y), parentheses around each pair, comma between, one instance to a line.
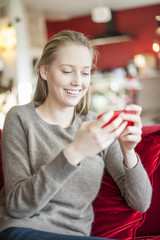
(116,113)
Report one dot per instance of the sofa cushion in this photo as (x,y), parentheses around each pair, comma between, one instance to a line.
(151,225)
(151,144)
(113,217)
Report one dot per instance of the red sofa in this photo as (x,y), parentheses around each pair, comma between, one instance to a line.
(113,218)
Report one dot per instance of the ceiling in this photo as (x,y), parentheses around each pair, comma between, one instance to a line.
(62,9)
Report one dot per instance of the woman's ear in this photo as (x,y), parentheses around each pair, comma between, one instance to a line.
(43,71)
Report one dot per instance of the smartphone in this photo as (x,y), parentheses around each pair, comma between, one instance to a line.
(116,114)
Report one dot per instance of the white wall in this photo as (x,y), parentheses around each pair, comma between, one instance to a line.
(149,96)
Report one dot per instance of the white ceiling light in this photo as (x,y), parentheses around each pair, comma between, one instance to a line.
(101,14)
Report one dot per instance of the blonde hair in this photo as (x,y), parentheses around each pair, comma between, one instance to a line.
(49,54)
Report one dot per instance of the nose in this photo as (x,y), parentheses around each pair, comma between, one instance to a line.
(77,79)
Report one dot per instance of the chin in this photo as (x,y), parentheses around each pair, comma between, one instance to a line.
(73,103)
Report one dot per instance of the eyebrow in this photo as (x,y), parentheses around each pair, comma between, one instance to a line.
(70,65)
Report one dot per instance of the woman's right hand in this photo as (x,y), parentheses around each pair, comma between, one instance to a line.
(91,138)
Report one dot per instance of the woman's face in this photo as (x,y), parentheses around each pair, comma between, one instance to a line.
(68,76)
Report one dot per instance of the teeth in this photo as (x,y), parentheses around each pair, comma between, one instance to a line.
(75,92)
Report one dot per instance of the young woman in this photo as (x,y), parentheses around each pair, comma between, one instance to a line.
(54,150)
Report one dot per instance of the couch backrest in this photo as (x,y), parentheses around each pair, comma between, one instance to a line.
(151,224)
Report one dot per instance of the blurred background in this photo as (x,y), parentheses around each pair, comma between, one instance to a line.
(126,34)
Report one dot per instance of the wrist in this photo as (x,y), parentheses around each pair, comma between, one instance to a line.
(130,159)
(71,155)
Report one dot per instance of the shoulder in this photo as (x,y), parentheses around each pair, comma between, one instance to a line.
(19,113)
(18,121)
(19,110)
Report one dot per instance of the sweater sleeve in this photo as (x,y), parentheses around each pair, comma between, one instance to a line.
(134,183)
(27,194)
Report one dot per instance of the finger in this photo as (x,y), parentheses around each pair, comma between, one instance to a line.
(106,134)
(131,138)
(132,131)
(105,118)
(110,137)
(133,118)
(107,143)
(114,124)
(118,131)
(134,107)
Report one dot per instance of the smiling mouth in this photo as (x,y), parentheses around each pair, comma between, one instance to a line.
(72,92)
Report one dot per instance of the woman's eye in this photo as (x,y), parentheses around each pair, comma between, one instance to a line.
(67,72)
(86,74)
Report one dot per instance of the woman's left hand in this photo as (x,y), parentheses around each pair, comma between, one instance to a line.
(131,136)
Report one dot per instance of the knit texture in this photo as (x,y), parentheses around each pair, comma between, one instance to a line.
(42,190)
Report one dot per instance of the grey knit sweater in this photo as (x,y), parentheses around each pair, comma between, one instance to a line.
(43,191)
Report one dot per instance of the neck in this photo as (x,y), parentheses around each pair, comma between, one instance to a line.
(56,115)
